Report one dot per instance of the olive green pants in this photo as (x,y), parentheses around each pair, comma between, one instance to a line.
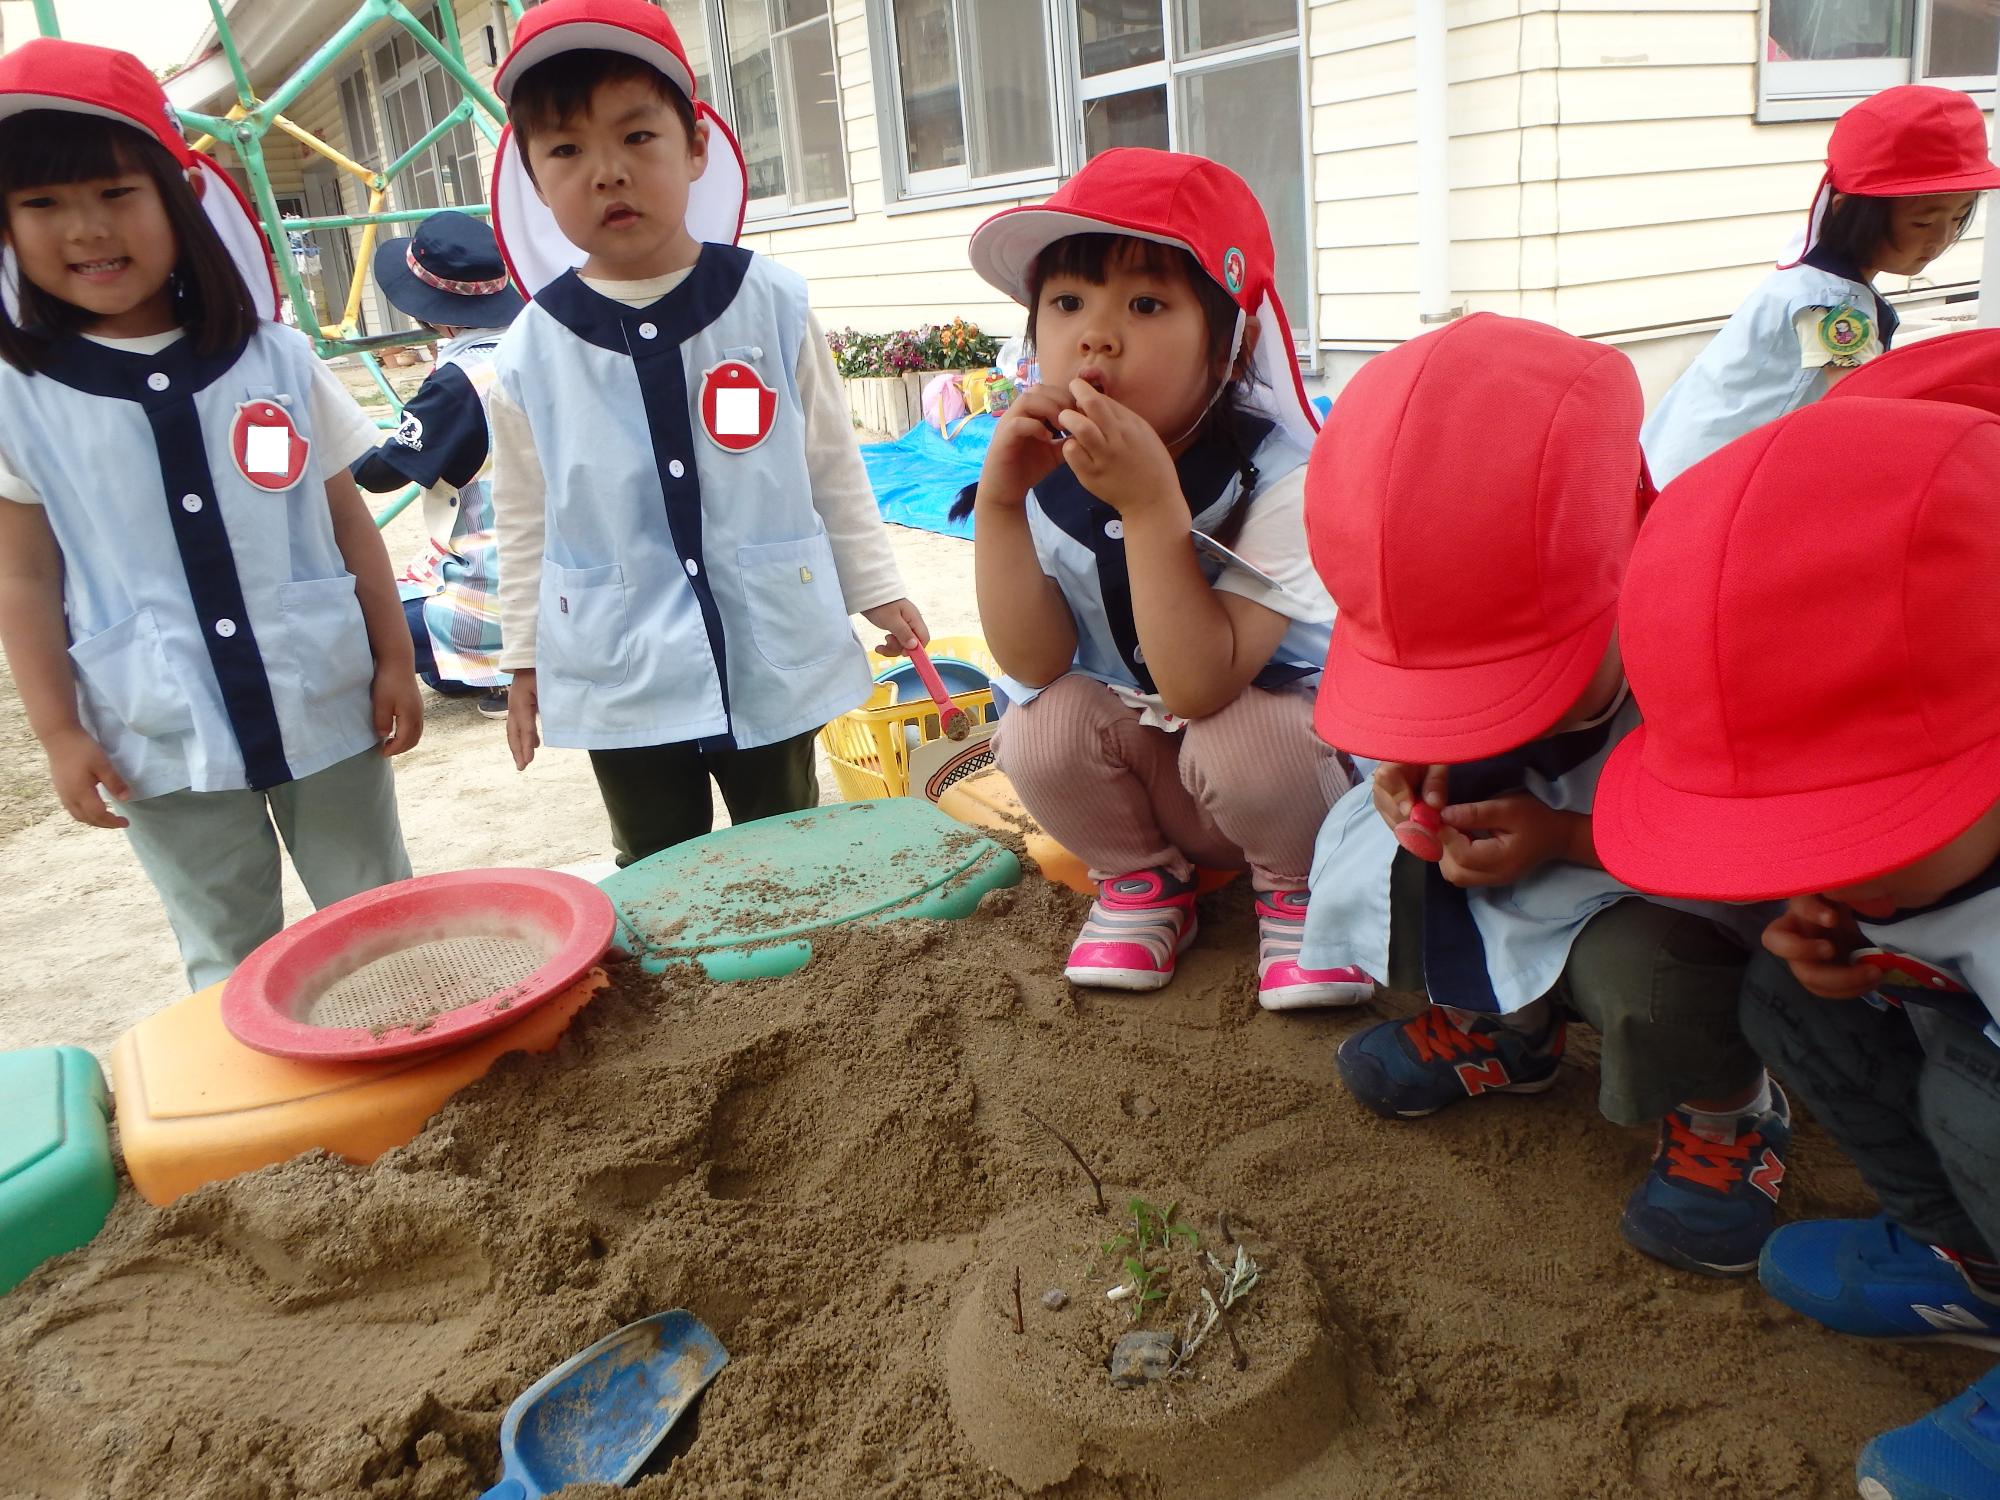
(657,795)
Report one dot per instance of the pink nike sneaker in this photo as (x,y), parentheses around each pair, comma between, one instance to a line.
(1282,983)
(1138,925)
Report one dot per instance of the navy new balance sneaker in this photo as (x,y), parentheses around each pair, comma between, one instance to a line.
(1952,1453)
(1708,1206)
(1403,1070)
(1868,1278)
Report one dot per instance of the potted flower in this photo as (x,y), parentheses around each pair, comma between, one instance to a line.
(885,373)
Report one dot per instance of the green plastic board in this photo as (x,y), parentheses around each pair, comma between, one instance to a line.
(744,902)
(56,1180)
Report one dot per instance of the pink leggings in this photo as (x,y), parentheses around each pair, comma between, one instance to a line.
(1248,785)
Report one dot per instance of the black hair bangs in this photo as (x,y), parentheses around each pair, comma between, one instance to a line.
(53,148)
(553,94)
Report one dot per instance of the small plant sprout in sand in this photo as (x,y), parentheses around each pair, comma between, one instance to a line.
(1237,1279)
(1143,1250)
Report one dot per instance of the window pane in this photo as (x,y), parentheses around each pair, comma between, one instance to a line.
(1008,113)
(686,16)
(753,89)
(819,151)
(1247,117)
(1832,30)
(1964,40)
(1208,25)
(792,12)
(385,61)
(1114,34)
(438,93)
(927,62)
(1135,119)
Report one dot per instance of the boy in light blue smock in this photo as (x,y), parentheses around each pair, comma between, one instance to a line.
(684,522)
(1470,505)
(1858,779)
(1904,171)
(195,604)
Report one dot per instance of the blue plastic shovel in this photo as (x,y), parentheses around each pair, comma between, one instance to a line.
(597,1417)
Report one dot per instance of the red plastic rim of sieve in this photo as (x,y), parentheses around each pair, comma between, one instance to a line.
(419,965)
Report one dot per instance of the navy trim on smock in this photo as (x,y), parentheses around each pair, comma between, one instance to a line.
(165,385)
(651,337)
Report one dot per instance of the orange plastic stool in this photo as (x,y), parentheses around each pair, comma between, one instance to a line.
(195,1105)
(987,801)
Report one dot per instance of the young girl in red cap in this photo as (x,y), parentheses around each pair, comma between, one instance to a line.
(195,603)
(1904,171)
(1859,779)
(1471,506)
(1141,565)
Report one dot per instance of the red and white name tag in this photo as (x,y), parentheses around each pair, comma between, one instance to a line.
(737,409)
(267,447)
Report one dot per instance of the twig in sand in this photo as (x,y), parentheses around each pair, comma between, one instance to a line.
(1071,1149)
(1019,1325)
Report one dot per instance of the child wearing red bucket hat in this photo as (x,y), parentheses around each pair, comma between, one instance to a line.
(1823,725)
(683,521)
(1471,505)
(197,607)
(1142,575)
(1904,171)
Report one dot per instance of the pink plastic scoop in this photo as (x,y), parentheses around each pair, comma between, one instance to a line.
(953,720)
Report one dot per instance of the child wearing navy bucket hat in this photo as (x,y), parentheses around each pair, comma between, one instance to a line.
(196,605)
(684,522)
(1141,564)
(1836,745)
(449,276)
(1904,171)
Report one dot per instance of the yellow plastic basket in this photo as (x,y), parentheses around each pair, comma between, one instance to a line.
(870,748)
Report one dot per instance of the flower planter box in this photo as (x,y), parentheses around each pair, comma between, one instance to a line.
(890,404)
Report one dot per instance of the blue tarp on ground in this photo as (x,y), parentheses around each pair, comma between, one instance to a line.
(918,476)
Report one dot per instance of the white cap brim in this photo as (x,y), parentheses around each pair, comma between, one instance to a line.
(534,247)
(1003,251)
(600,36)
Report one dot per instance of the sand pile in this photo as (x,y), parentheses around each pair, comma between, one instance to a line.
(835,1172)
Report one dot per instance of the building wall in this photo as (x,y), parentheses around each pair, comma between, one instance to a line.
(1607,172)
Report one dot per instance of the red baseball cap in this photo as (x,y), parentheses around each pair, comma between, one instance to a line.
(77,78)
(1470,506)
(1962,367)
(1807,625)
(531,242)
(1176,199)
(1905,142)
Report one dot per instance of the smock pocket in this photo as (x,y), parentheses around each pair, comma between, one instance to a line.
(327,636)
(581,634)
(127,682)
(797,616)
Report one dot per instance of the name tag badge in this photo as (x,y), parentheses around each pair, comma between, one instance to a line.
(737,409)
(267,447)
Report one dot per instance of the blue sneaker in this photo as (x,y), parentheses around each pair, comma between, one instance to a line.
(1868,1278)
(1403,1070)
(1708,1206)
(1952,1453)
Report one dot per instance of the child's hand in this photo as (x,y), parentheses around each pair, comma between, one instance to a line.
(399,710)
(1813,936)
(1116,453)
(78,767)
(1024,449)
(1395,787)
(521,736)
(904,625)
(1521,833)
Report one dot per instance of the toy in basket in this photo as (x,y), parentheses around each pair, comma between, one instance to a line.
(871,749)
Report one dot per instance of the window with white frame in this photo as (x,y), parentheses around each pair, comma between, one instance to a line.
(779,89)
(969,89)
(416,93)
(1838,50)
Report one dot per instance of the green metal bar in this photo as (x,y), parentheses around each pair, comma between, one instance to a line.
(249,145)
(218,126)
(397,507)
(455,66)
(398,216)
(228,40)
(328,53)
(374,367)
(435,134)
(45,18)
(448,24)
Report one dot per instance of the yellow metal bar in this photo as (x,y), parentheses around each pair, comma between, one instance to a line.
(362,264)
(313,143)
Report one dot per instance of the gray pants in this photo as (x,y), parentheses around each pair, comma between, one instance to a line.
(213,856)
(1658,985)
(1911,1095)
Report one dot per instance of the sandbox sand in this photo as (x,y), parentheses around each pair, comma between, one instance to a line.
(834,1170)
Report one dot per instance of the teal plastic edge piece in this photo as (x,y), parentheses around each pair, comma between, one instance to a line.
(59,1200)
